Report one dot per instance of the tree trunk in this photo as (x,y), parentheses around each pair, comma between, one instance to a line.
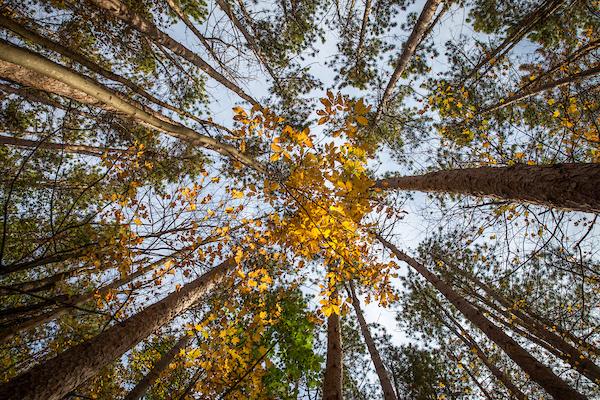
(363,31)
(58,376)
(548,340)
(69,148)
(144,384)
(384,380)
(30,35)
(525,94)
(34,70)
(67,304)
(537,371)
(120,11)
(416,36)
(566,186)
(521,29)
(223,5)
(472,345)
(332,383)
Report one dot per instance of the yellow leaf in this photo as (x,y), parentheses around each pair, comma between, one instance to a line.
(236,194)
(362,120)
(276,148)
(137,221)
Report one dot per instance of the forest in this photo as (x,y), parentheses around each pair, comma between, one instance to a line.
(299,199)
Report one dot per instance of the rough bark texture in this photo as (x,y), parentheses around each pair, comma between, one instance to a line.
(58,376)
(416,36)
(384,380)
(36,71)
(120,11)
(332,383)
(144,384)
(565,186)
(537,371)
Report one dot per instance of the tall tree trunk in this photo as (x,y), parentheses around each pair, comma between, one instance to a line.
(521,29)
(363,31)
(120,11)
(384,380)
(332,382)
(532,91)
(471,344)
(34,37)
(69,148)
(537,371)
(34,70)
(144,384)
(483,390)
(416,36)
(548,339)
(181,14)
(58,376)
(565,186)
(67,304)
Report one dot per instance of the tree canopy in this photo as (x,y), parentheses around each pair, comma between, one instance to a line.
(307,199)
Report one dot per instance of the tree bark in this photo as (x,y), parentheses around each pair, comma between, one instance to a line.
(537,371)
(58,376)
(34,70)
(30,35)
(332,383)
(521,29)
(65,305)
(223,5)
(384,380)
(69,148)
(144,384)
(416,36)
(120,11)
(472,344)
(525,94)
(565,186)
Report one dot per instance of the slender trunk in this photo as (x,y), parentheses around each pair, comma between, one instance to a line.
(66,255)
(384,380)
(249,39)
(69,148)
(190,386)
(181,14)
(483,390)
(537,371)
(565,186)
(416,36)
(120,11)
(363,31)
(525,94)
(550,341)
(34,37)
(58,376)
(472,345)
(541,327)
(332,383)
(522,28)
(67,304)
(144,384)
(41,284)
(37,71)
